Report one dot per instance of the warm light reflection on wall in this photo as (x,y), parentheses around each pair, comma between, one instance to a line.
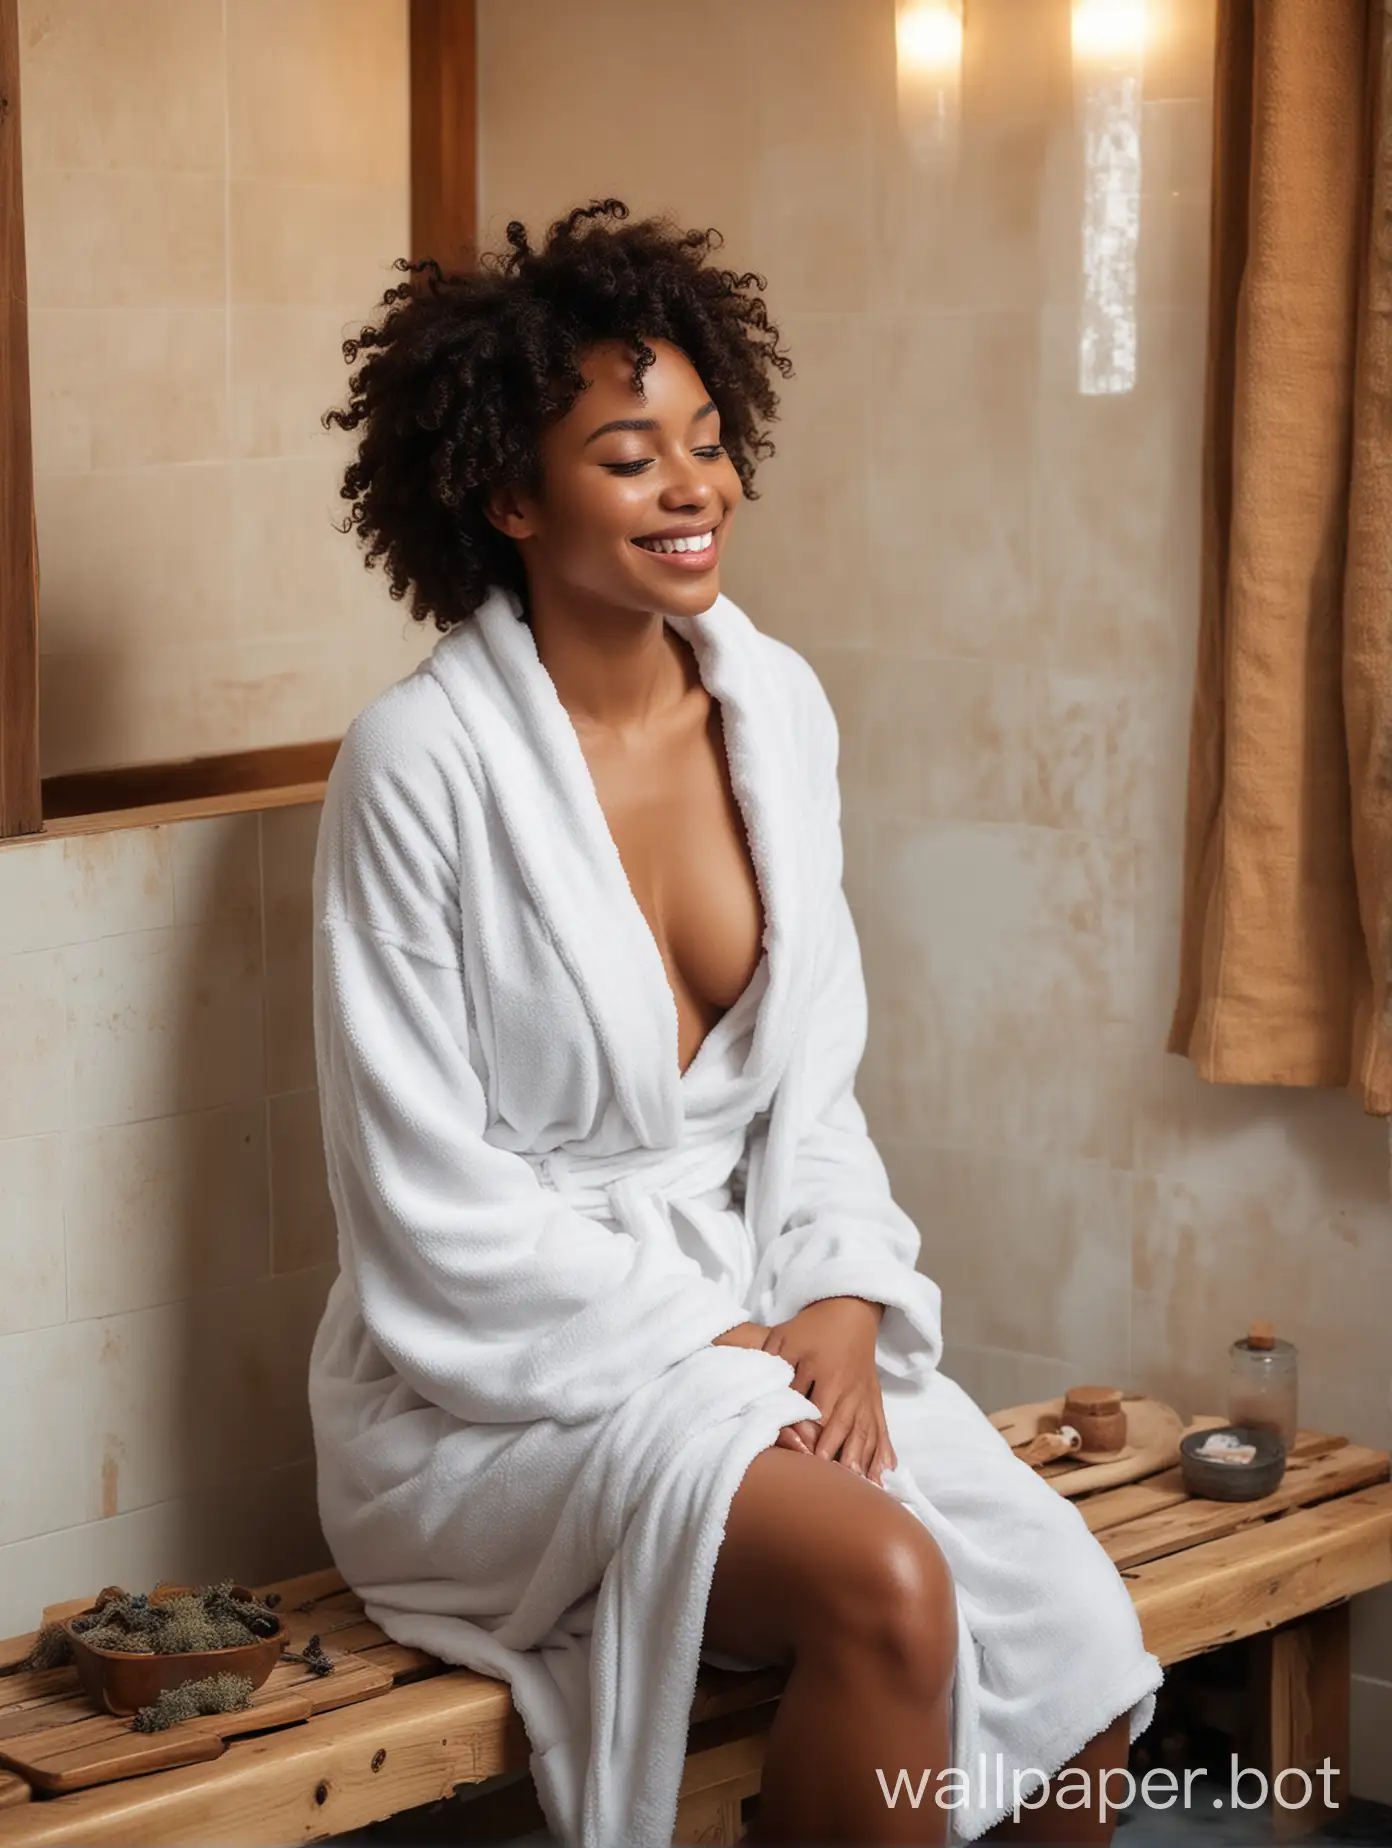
(1109,39)
(928,43)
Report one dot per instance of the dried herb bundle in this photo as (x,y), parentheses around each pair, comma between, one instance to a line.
(52,1648)
(313,1656)
(213,1694)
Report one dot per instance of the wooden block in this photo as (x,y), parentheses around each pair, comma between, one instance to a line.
(1195,1520)
(1251,1581)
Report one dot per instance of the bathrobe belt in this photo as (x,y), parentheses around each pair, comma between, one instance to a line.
(637,1188)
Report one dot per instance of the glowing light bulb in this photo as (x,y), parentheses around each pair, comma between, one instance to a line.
(929,37)
(1109,31)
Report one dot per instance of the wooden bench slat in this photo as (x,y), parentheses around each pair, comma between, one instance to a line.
(38,1715)
(457,1728)
(399,1660)
(322,1584)
(13,1791)
(337,1630)
(36,1684)
(1251,1581)
(1130,1501)
(1192,1522)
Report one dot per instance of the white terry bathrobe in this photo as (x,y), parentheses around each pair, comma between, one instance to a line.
(527,1445)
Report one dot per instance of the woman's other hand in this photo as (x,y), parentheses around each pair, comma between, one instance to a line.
(831,1347)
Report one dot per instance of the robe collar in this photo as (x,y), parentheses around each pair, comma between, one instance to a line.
(531,758)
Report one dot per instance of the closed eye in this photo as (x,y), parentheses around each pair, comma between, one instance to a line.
(708,452)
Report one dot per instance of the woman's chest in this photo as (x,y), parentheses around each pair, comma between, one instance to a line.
(680,836)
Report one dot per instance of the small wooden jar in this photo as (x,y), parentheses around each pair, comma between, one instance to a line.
(1095,1412)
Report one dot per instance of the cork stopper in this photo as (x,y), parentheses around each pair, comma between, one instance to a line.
(1260,1335)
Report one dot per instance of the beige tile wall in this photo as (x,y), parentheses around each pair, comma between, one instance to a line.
(166,1239)
(996,577)
(214,193)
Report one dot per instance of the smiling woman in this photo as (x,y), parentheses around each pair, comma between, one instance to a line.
(463,399)
(629,1360)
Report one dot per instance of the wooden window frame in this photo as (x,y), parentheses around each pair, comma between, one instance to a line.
(443,224)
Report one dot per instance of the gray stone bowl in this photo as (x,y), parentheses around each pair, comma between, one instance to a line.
(1230,1482)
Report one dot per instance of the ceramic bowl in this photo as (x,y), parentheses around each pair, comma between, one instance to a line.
(1232,1481)
(123,1682)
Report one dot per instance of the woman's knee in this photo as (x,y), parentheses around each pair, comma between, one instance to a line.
(818,1560)
(892,1599)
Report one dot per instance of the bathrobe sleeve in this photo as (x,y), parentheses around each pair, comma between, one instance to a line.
(844,1234)
(486,1292)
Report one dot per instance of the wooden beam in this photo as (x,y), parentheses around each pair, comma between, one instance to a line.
(444,132)
(190,779)
(21,811)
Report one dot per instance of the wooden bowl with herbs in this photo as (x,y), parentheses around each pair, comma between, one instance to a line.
(128,1649)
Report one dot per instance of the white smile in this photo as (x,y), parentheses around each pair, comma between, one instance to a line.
(698,542)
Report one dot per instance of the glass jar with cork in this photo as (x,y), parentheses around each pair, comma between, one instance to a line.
(1262,1383)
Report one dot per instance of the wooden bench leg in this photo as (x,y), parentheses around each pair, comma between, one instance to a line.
(711,1816)
(1302,1686)
(714,1785)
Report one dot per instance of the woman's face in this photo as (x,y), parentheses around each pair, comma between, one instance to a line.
(637,493)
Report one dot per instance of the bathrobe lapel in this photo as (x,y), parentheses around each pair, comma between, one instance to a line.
(531,758)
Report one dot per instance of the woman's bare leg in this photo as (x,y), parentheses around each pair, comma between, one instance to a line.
(821,1568)
(1049,1823)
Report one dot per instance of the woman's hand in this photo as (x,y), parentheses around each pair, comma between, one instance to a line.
(831,1346)
(743,1334)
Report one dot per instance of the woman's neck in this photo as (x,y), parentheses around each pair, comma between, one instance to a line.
(613,669)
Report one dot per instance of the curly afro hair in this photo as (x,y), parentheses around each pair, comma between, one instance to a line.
(465,371)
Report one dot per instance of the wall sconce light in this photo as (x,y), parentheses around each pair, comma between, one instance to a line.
(928,64)
(1109,40)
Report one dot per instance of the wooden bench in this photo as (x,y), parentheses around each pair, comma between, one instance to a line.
(1203,1574)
